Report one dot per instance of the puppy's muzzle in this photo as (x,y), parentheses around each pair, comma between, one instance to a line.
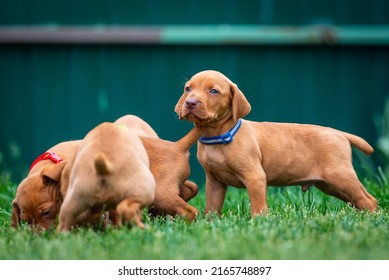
(191,103)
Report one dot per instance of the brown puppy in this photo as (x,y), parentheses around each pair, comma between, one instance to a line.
(169,163)
(257,154)
(137,125)
(38,199)
(109,171)
(40,195)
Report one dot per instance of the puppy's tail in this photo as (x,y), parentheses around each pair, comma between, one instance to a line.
(190,138)
(359,143)
(102,165)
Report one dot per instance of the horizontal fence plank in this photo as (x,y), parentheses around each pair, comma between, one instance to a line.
(198,35)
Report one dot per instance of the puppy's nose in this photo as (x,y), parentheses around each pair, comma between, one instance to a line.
(191,103)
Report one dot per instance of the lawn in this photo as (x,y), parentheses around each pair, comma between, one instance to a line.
(299,226)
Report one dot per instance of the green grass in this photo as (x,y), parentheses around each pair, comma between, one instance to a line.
(299,226)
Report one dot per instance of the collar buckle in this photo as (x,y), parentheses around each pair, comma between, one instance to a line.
(224,138)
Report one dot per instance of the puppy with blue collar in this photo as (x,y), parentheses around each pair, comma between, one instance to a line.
(252,155)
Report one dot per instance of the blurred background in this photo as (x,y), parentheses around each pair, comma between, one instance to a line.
(66,66)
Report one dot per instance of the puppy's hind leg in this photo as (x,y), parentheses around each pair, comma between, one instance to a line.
(346,186)
(129,211)
(188,190)
(174,205)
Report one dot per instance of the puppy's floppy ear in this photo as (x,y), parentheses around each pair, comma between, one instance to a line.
(178,107)
(240,106)
(53,173)
(15,217)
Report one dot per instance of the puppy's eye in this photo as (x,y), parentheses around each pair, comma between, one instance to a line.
(214,91)
(46,213)
(187,89)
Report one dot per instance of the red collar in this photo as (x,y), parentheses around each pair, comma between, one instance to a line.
(48,155)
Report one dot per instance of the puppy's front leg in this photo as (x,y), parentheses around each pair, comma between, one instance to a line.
(215,194)
(256,184)
(69,218)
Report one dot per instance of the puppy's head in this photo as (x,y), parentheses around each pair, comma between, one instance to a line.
(210,96)
(38,198)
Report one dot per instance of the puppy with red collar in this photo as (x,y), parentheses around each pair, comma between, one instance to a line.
(38,197)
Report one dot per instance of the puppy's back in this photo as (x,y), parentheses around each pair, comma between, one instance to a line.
(137,125)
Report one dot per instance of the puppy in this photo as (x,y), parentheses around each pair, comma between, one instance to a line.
(249,154)
(110,170)
(38,198)
(137,125)
(169,163)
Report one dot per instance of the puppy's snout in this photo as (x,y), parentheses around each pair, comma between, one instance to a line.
(191,103)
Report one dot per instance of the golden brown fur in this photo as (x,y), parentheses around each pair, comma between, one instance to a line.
(169,163)
(38,199)
(170,166)
(109,171)
(264,153)
(39,196)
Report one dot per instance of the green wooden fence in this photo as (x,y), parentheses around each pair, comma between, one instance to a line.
(65,66)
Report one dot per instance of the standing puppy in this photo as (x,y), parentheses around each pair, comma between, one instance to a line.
(109,171)
(249,154)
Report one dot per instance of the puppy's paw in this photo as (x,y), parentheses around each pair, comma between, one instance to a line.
(129,213)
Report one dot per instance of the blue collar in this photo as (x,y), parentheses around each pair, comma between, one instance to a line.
(224,138)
